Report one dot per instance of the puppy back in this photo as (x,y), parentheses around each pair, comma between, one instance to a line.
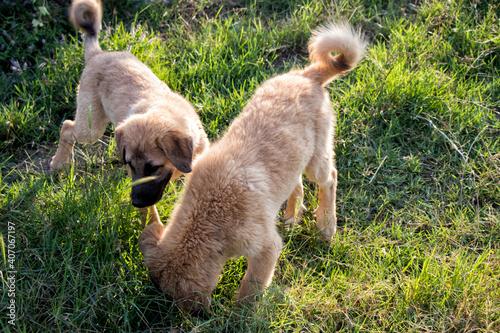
(338,37)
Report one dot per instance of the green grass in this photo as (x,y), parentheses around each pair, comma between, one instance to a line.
(418,155)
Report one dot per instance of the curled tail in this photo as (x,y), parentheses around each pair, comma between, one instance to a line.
(86,15)
(334,37)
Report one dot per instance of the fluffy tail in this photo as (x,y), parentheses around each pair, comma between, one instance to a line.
(334,37)
(86,15)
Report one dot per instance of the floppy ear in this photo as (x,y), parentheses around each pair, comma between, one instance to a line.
(179,150)
(120,143)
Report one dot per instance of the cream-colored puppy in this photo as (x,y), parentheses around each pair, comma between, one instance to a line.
(236,188)
(158,132)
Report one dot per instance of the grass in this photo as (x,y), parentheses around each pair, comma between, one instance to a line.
(418,154)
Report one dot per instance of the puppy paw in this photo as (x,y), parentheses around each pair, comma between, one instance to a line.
(57,165)
(327,223)
(245,300)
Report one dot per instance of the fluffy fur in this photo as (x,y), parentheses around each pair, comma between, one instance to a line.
(158,132)
(237,187)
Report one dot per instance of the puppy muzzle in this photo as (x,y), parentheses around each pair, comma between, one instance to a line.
(149,193)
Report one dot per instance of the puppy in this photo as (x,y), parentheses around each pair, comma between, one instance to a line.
(236,188)
(157,131)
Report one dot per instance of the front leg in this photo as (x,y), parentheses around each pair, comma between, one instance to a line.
(153,215)
(260,270)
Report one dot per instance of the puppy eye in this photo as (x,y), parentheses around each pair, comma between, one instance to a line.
(149,169)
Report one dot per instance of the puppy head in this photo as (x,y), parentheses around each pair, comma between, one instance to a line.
(168,278)
(153,151)
(177,273)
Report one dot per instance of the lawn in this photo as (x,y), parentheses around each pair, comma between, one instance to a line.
(418,156)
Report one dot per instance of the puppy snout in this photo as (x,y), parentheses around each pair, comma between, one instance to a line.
(148,193)
(139,203)
(145,195)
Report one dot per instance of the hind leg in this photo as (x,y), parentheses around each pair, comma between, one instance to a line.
(64,153)
(294,205)
(79,131)
(326,216)
(322,171)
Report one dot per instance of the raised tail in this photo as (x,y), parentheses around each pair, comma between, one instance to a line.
(334,37)
(86,15)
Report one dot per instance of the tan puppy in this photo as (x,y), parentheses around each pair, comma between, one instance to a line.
(237,187)
(158,133)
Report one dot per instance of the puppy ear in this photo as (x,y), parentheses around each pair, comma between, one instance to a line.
(119,139)
(179,150)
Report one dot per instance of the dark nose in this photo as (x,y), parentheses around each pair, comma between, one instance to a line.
(145,195)
(139,203)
